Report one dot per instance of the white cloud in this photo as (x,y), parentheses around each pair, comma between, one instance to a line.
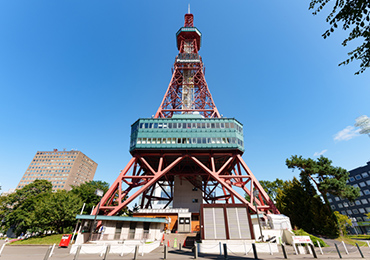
(320,153)
(346,134)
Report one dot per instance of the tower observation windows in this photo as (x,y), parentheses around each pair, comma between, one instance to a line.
(186,132)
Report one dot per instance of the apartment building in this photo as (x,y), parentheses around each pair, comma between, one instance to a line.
(357,210)
(62,168)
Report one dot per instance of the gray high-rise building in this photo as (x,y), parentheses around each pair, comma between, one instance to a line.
(357,210)
(62,168)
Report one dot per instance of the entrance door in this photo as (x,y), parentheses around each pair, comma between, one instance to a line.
(184,225)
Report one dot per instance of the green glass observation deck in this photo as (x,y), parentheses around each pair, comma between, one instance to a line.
(187,132)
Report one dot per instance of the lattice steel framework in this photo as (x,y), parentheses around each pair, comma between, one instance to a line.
(223,170)
(188,78)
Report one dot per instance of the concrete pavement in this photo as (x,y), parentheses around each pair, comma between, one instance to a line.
(38,253)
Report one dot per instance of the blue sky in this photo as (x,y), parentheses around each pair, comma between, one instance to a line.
(77,74)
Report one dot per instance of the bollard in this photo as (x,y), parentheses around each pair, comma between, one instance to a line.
(318,243)
(340,256)
(136,251)
(313,251)
(180,246)
(366,242)
(254,250)
(360,251)
(2,248)
(270,249)
(106,252)
(345,248)
(284,252)
(142,249)
(165,252)
(245,248)
(77,253)
(195,250)
(52,251)
(46,257)
(225,251)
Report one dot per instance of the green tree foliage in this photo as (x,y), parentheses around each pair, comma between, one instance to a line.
(17,209)
(327,178)
(36,208)
(86,192)
(57,211)
(354,16)
(343,222)
(305,209)
(272,187)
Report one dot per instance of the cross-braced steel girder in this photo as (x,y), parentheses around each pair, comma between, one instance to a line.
(223,170)
(202,102)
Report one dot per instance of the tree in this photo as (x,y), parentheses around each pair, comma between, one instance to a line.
(18,208)
(58,211)
(272,187)
(305,209)
(327,178)
(343,222)
(86,192)
(354,15)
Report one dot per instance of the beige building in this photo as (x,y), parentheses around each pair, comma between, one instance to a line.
(62,168)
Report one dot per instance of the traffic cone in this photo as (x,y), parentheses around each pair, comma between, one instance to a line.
(168,243)
(175,243)
(162,240)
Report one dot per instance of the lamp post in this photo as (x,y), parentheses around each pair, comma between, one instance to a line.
(255,194)
(99,193)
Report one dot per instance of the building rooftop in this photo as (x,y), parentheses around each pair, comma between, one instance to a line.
(120,218)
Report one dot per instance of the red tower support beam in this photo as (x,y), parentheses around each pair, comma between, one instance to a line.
(227,173)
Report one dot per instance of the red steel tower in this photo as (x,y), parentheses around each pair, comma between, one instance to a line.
(188,151)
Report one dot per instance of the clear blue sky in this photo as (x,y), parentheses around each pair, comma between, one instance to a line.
(77,74)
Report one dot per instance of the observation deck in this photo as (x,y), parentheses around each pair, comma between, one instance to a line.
(187,131)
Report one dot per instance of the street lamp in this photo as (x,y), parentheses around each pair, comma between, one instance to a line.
(255,194)
(99,193)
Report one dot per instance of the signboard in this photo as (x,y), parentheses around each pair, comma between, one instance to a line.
(302,240)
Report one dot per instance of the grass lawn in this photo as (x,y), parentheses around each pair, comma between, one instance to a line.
(360,237)
(350,241)
(40,240)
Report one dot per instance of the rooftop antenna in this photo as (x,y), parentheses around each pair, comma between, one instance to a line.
(188,8)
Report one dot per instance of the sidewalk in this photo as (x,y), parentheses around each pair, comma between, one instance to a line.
(38,253)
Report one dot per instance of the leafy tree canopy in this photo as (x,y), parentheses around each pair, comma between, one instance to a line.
(354,16)
(17,209)
(327,178)
(86,192)
(343,222)
(305,209)
(57,211)
(272,187)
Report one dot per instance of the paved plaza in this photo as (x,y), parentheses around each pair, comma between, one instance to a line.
(39,252)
